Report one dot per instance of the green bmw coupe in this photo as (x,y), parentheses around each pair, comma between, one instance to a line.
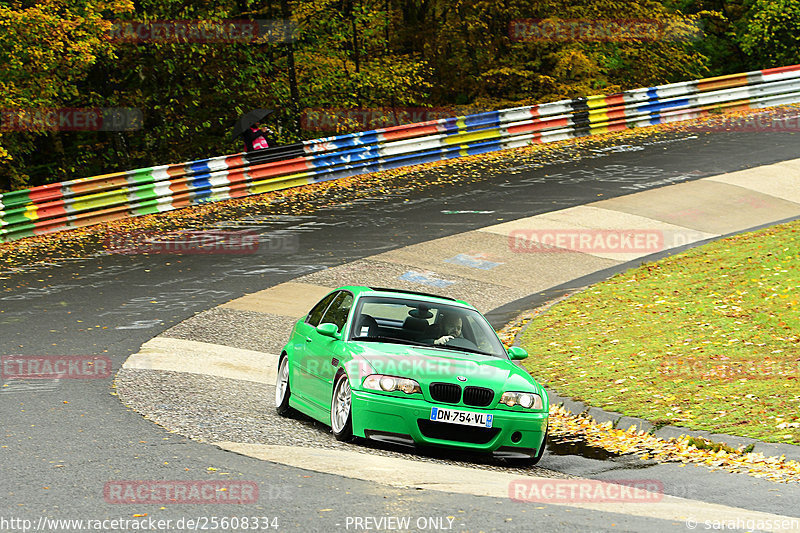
(411,368)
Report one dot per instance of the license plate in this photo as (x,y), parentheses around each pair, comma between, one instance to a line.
(465,418)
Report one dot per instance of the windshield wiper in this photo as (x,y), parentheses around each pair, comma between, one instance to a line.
(394,340)
(463,349)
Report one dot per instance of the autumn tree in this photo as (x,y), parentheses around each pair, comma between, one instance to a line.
(342,54)
(770,36)
(46,50)
(192,90)
(347,58)
(477,58)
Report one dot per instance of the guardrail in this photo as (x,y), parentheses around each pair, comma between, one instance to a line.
(143,191)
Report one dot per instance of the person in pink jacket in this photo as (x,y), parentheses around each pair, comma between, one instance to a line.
(257,137)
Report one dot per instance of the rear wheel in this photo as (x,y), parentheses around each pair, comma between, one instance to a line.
(341,409)
(282,389)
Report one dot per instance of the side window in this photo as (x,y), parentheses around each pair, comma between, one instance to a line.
(315,315)
(339,309)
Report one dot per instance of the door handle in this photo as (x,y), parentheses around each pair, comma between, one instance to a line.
(308,339)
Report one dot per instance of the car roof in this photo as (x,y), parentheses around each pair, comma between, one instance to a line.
(362,290)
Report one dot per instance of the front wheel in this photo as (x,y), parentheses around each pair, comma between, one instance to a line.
(341,409)
(530,461)
(539,455)
(282,390)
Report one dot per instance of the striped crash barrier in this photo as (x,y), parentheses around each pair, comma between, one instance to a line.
(143,191)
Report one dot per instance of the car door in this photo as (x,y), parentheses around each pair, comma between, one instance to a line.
(323,353)
(300,377)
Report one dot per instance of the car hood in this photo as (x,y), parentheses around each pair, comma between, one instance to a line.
(427,365)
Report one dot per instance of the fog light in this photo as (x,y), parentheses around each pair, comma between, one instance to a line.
(516,437)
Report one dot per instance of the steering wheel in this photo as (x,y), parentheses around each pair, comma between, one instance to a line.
(461,342)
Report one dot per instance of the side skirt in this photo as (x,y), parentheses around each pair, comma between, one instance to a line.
(310,409)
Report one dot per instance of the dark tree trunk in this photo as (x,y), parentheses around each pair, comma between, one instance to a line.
(294,105)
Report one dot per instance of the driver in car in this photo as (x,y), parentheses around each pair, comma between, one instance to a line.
(451,328)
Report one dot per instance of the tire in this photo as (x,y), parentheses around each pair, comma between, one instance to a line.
(342,409)
(530,461)
(282,390)
(540,453)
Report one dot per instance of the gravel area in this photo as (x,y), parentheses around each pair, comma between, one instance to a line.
(211,409)
(247,330)
(484,296)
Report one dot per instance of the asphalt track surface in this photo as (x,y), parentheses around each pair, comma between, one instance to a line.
(63,441)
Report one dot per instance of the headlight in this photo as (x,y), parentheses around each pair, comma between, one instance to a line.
(382,383)
(528,400)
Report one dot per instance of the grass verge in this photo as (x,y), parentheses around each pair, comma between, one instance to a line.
(707,339)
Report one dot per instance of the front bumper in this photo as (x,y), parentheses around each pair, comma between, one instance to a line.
(379,414)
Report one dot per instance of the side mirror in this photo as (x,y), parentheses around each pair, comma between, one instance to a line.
(329,330)
(517,352)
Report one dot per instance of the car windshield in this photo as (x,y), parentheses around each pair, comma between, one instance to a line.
(421,323)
